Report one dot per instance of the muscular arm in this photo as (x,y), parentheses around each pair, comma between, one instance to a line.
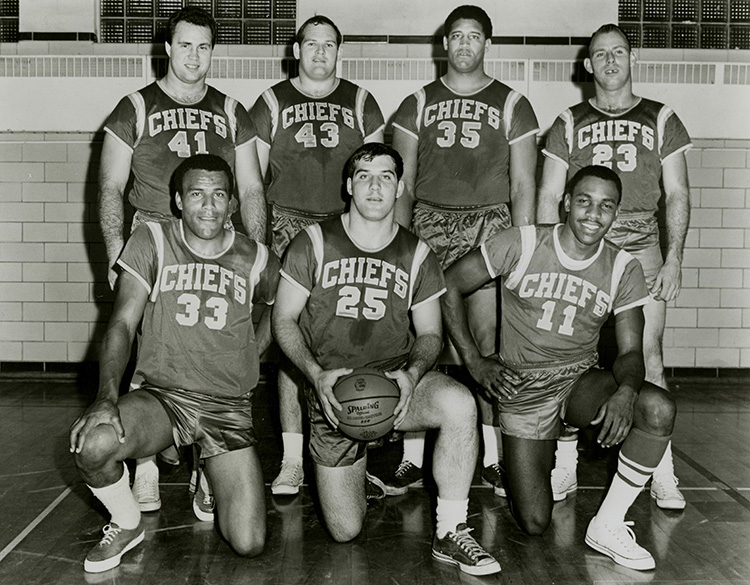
(677,194)
(523,181)
(406,146)
(554,176)
(130,303)
(250,191)
(114,170)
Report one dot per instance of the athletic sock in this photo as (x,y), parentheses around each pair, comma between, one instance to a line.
(490,439)
(146,465)
(666,465)
(120,501)
(414,447)
(449,514)
(292,446)
(638,458)
(566,454)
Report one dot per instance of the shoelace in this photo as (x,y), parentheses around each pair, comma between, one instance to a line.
(403,467)
(496,468)
(626,525)
(289,469)
(110,532)
(208,500)
(467,543)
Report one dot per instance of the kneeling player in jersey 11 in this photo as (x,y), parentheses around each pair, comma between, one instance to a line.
(351,287)
(193,284)
(560,283)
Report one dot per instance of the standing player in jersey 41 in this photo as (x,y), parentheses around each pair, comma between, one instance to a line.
(307,128)
(644,142)
(560,284)
(190,284)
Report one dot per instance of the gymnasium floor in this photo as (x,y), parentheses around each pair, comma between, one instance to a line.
(49,520)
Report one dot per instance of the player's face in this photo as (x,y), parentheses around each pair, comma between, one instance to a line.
(374,188)
(592,208)
(466,45)
(204,202)
(610,60)
(190,52)
(318,53)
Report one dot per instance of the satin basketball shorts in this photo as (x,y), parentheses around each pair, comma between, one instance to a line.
(537,410)
(638,233)
(218,424)
(287,223)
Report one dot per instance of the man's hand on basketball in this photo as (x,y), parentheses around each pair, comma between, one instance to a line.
(101,412)
(324,387)
(498,380)
(668,281)
(406,384)
(616,416)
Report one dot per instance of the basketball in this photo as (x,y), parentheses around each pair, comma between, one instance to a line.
(367,399)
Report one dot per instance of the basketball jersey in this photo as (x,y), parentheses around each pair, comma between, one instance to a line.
(358,305)
(310,139)
(161,133)
(197,330)
(463,155)
(634,144)
(553,305)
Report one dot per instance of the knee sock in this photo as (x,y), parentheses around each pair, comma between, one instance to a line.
(639,455)
(292,446)
(119,501)
(414,448)
(566,454)
(449,514)
(666,465)
(491,437)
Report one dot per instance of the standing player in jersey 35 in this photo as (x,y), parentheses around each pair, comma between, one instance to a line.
(560,284)
(644,142)
(307,128)
(192,283)
(149,133)
(469,148)
(351,288)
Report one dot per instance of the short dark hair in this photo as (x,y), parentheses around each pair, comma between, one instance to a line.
(317,20)
(202,162)
(470,12)
(598,171)
(608,28)
(368,151)
(191,15)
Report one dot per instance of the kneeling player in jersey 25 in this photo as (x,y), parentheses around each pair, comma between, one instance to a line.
(193,283)
(349,290)
(560,283)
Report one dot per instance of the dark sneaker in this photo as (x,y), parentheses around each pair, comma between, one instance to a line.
(492,475)
(116,542)
(203,500)
(459,548)
(407,475)
(374,488)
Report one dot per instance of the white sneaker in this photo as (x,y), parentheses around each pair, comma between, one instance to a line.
(617,541)
(664,491)
(564,481)
(146,491)
(289,480)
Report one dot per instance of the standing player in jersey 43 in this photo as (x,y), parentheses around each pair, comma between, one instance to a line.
(192,283)
(351,290)
(560,284)
(644,142)
(307,128)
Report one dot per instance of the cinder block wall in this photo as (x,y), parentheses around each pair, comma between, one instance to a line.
(54,299)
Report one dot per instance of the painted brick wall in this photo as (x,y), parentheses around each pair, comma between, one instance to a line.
(54,300)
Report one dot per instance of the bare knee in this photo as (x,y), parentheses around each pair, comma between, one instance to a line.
(344,534)
(100,447)
(249,543)
(656,410)
(534,522)
(457,404)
